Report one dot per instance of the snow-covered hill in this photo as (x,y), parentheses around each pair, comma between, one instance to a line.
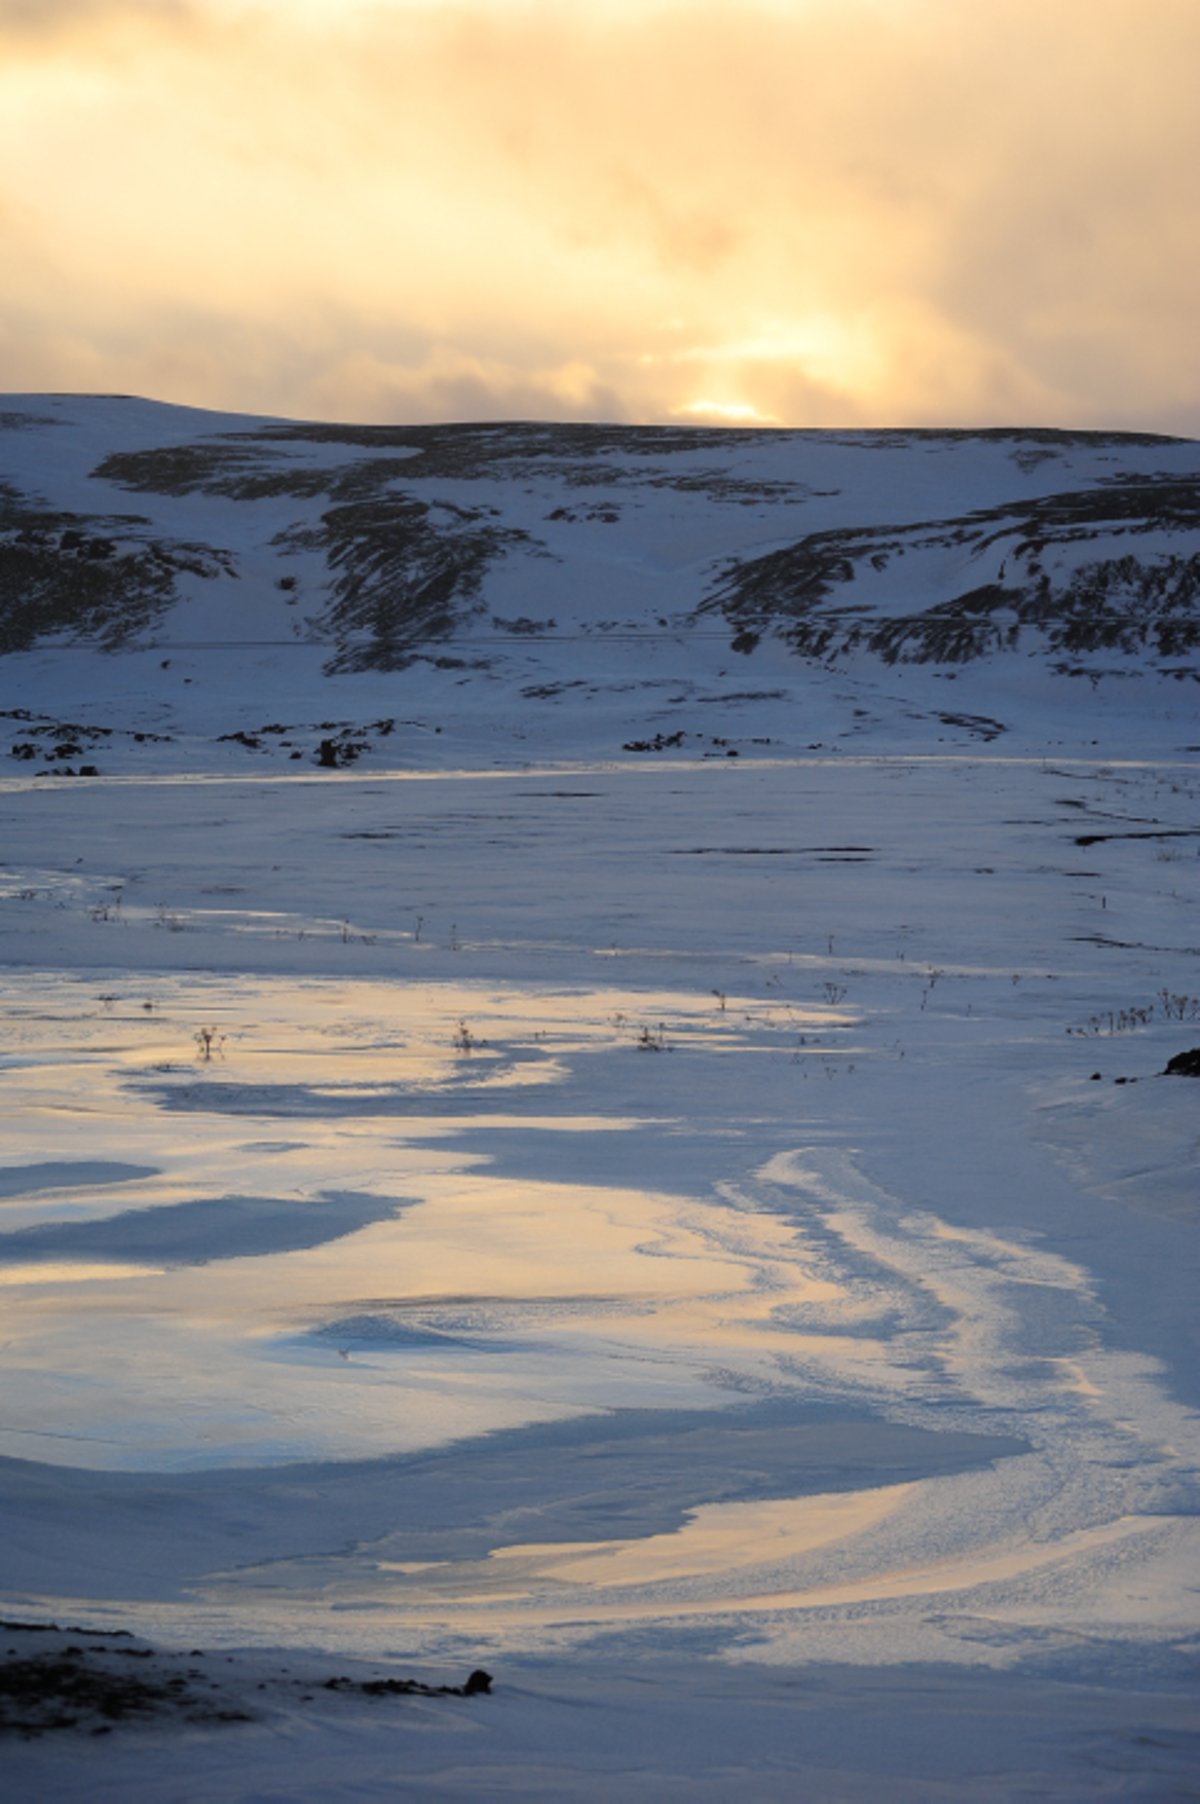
(755,591)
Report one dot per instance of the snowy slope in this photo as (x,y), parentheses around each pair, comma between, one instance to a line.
(631,582)
(705,1238)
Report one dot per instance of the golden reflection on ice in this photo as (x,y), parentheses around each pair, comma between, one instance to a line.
(726,1557)
(718,1540)
(348,1035)
(1076,1379)
(599,1289)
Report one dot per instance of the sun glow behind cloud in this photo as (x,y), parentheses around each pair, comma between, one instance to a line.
(822,212)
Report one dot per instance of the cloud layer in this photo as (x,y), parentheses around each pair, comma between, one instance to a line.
(820,212)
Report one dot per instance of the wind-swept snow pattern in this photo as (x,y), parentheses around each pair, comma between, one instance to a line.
(488,1178)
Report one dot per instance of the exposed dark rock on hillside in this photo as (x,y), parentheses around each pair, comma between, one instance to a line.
(100,577)
(389,542)
(1139,599)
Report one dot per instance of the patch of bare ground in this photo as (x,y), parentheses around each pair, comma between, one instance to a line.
(92,1682)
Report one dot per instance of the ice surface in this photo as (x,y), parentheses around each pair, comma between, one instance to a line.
(706,1238)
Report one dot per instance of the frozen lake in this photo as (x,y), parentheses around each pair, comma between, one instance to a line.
(644,1212)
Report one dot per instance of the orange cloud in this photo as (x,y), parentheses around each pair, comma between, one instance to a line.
(825,211)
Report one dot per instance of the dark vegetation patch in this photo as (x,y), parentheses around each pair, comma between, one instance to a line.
(340,742)
(744,491)
(1099,839)
(241,472)
(96,1681)
(336,754)
(47,724)
(743,695)
(478,1684)
(16,420)
(88,1690)
(401,570)
(981,725)
(97,578)
(548,692)
(1184,1064)
(398,579)
(523,626)
(488,449)
(1127,602)
(405,569)
(590,513)
(1168,1005)
(477,449)
(255,465)
(401,573)
(54,741)
(661,742)
(828,854)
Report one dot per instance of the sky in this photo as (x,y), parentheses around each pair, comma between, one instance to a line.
(797,212)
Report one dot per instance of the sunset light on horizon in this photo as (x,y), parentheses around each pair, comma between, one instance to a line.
(815,213)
